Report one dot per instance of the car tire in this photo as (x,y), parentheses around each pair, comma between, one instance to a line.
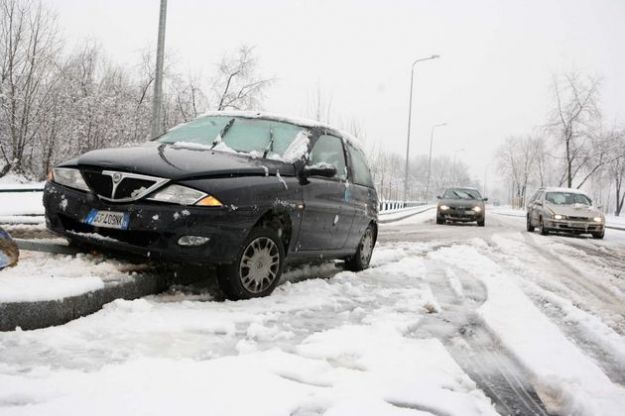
(360,260)
(530,227)
(257,269)
(598,236)
(440,220)
(543,229)
(482,222)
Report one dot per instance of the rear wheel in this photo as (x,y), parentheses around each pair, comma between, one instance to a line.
(257,269)
(530,227)
(361,259)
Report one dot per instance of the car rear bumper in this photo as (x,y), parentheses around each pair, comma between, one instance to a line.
(575,226)
(154,229)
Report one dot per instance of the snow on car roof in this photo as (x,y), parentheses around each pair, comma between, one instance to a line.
(303,122)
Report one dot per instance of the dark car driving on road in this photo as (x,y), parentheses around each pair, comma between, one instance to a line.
(461,205)
(242,191)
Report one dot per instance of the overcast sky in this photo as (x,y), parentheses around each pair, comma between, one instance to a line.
(492,81)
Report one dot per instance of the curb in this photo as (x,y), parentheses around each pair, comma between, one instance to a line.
(45,313)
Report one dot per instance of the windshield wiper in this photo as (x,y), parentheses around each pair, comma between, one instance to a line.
(269,147)
(223,132)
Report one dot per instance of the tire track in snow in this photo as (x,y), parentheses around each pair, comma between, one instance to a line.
(610,360)
(473,346)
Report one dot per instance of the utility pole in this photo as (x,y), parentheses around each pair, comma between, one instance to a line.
(410,120)
(157,102)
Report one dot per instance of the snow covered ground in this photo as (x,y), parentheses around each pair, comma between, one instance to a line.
(449,320)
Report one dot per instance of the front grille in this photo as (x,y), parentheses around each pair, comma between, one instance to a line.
(120,186)
(578,218)
(100,184)
(131,187)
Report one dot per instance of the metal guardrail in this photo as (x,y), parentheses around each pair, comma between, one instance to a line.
(22,189)
(389,206)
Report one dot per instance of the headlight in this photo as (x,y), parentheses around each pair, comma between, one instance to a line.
(598,219)
(477,209)
(558,217)
(69,177)
(182,195)
(443,207)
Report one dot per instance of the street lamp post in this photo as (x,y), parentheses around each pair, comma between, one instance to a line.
(158,79)
(410,119)
(427,184)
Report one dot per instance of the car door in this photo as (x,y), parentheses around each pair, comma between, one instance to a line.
(326,221)
(362,198)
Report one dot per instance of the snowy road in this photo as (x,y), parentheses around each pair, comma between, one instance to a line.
(450,320)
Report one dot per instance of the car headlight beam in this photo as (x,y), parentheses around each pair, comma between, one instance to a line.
(183,195)
(598,219)
(443,207)
(558,217)
(477,209)
(70,177)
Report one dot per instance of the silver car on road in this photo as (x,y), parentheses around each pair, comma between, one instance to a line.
(564,209)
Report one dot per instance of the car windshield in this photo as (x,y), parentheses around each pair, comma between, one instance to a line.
(266,138)
(457,193)
(567,198)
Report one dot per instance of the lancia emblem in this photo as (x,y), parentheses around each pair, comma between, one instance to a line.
(117,177)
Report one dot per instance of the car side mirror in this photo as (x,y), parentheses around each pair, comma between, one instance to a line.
(485,199)
(540,204)
(324,170)
(438,197)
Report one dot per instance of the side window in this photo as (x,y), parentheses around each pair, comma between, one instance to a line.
(329,149)
(360,169)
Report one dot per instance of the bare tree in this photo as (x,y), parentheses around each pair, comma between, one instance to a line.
(28,41)
(519,159)
(573,120)
(238,85)
(617,171)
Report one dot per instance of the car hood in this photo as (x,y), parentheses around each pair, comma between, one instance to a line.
(461,203)
(178,162)
(575,210)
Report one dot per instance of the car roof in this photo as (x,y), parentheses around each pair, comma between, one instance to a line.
(466,188)
(561,189)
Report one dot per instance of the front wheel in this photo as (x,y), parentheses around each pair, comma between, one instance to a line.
(543,230)
(360,260)
(530,227)
(481,223)
(257,269)
(599,235)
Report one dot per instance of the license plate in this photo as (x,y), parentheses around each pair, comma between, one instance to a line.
(468,212)
(108,219)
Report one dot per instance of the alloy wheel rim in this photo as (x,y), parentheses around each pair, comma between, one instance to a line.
(259,265)
(366,247)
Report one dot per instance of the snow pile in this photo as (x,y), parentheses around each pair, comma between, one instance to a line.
(333,346)
(21,203)
(41,276)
